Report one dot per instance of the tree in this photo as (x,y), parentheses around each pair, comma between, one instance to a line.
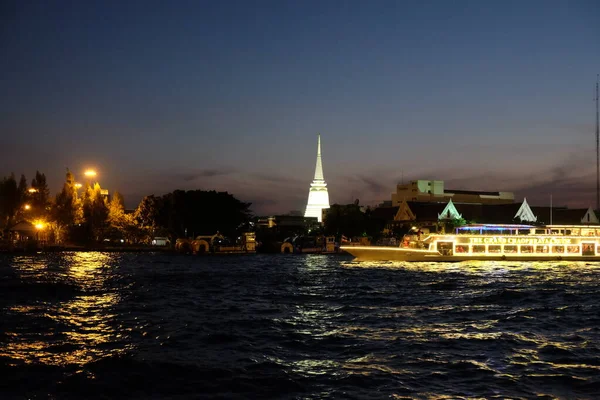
(449,225)
(9,201)
(116,210)
(346,220)
(191,213)
(23,193)
(148,211)
(95,211)
(122,225)
(64,210)
(23,207)
(40,198)
(117,219)
(198,212)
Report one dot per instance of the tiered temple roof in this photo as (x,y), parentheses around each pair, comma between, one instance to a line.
(421,212)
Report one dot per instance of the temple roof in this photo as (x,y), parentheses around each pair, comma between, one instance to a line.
(489,213)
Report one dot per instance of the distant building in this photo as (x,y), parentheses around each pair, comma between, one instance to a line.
(434,192)
(318,197)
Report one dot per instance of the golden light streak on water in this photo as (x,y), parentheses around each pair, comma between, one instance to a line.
(88,318)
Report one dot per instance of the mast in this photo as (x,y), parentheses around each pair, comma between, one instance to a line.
(550,208)
(597,151)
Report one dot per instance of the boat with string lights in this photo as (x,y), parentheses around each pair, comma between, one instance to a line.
(491,242)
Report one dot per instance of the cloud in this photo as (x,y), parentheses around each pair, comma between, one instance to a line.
(268,193)
(278,179)
(205,173)
(373,184)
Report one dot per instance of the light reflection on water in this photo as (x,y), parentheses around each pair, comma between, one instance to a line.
(79,329)
(499,281)
(306,326)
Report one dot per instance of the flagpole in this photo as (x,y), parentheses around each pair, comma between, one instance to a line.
(550,209)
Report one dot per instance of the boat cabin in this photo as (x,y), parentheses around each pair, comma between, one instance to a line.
(517,240)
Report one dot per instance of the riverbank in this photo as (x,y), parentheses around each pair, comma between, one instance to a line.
(109,249)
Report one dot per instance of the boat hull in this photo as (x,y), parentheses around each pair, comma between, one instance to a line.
(382,253)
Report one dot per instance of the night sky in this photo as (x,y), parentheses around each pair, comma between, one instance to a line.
(230,95)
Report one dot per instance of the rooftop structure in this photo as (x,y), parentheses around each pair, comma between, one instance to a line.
(434,192)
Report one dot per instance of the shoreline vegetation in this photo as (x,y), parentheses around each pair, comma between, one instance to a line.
(87,217)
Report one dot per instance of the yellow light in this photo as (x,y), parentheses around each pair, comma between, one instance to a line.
(32,190)
(77,185)
(39,225)
(27,206)
(90,173)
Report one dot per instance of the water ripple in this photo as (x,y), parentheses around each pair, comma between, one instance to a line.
(99,325)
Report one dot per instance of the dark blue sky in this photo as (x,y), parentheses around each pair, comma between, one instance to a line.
(230,95)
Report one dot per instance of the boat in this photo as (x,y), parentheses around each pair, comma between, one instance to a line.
(494,242)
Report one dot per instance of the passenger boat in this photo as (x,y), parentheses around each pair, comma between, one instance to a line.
(491,242)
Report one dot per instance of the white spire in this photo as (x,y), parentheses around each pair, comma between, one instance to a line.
(319,166)
(318,198)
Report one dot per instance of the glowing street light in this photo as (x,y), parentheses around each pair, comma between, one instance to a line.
(90,173)
(77,185)
(27,207)
(39,225)
(32,190)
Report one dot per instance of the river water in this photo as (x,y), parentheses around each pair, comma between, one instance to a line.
(124,325)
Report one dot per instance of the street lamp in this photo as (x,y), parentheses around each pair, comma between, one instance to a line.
(90,173)
(77,185)
(32,190)
(39,227)
(27,207)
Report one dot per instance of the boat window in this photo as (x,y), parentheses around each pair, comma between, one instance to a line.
(588,249)
(526,249)
(540,231)
(460,249)
(558,249)
(478,248)
(494,248)
(541,249)
(510,249)
(554,232)
(445,248)
(568,232)
(573,249)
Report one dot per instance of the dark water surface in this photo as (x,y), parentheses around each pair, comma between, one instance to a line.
(100,325)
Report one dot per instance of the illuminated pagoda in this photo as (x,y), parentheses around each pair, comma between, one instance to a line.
(318,197)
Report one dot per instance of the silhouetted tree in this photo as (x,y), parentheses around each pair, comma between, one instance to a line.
(22,189)
(9,201)
(65,211)
(205,212)
(40,199)
(346,220)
